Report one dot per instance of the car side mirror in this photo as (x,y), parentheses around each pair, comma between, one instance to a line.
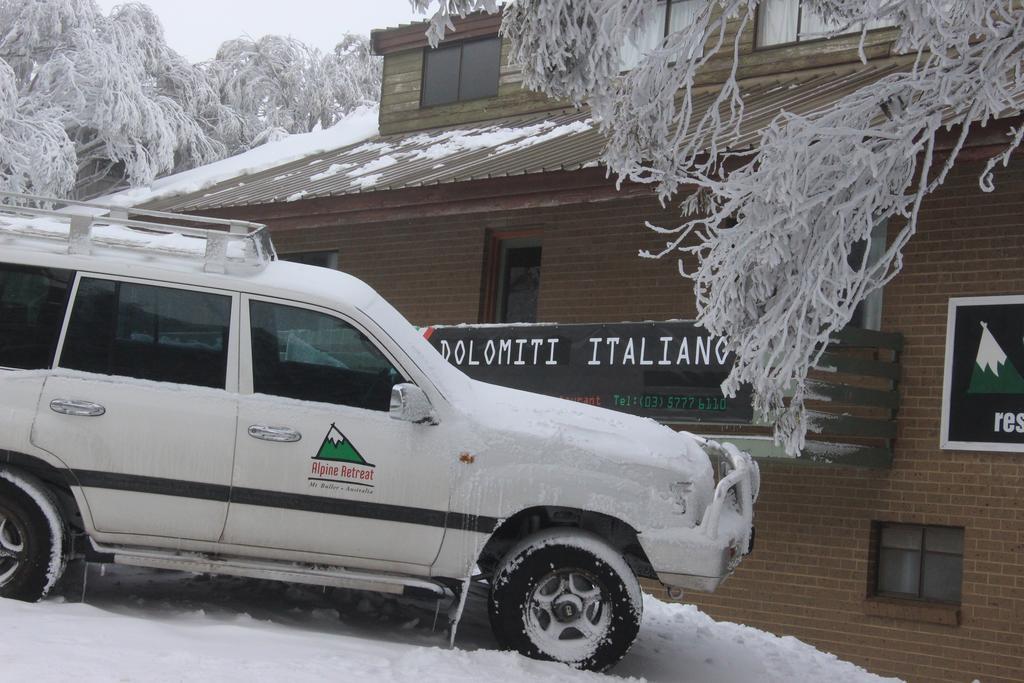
(410,404)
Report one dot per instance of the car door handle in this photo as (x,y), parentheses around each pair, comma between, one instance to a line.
(279,434)
(67,406)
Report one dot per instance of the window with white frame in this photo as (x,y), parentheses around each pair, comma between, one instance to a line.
(791,21)
(666,17)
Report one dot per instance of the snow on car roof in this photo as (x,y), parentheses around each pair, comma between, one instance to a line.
(115,247)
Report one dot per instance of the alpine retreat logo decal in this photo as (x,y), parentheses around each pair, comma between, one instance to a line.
(993,373)
(338,465)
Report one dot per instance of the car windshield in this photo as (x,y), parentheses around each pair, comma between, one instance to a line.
(449,380)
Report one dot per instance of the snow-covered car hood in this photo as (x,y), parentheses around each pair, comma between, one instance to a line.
(564,453)
(616,438)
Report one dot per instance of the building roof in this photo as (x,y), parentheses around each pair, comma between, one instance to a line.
(564,140)
(357,126)
(408,36)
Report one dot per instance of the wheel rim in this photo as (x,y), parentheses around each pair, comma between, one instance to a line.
(567,616)
(12,547)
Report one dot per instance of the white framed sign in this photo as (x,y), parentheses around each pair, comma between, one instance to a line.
(983,383)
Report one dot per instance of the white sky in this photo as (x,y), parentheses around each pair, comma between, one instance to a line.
(196,28)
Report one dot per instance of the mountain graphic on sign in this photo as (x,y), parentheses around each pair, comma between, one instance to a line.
(336,447)
(993,372)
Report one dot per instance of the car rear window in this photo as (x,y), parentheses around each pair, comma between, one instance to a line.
(156,333)
(32,305)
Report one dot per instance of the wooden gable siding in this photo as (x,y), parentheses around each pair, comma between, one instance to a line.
(766,61)
(400,109)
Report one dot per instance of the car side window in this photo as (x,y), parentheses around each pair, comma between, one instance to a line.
(311,356)
(146,332)
(32,304)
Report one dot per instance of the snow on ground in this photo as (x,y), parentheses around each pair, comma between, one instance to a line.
(142,625)
(360,125)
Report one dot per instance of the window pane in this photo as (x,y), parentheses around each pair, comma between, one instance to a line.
(311,356)
(32,303)
(898,571)
(812,23)
(441,75)
(943,575)
(868,313)
(944,540)
(481,64)
(521,285)
(786,21)
(777,21)
(644,39)
(91,328)
(901,536)
(855,259)
(153,333)
(681,13)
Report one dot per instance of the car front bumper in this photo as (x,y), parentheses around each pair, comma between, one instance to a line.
(702,557)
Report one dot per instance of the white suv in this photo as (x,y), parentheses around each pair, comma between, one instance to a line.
(178,398)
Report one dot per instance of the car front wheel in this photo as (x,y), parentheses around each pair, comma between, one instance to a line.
(566,595)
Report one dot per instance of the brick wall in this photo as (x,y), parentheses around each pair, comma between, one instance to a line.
(431,268)
(809,575)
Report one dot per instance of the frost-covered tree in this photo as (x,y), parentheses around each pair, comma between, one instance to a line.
(773,236)
(267,82)
(278,85)
(35,151)
(89,100)
(356,73)
(105,88)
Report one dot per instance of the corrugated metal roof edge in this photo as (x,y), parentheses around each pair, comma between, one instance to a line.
(549,162)
(191,201)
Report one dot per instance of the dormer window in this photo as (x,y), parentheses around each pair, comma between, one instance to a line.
(780,22)
(668,16)
(467,70)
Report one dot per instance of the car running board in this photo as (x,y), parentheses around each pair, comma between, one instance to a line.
(316,575)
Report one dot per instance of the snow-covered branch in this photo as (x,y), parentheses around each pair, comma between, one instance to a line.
(109,85)
(774,231)
(91,100)
(775,269)
(278,85)
(35,152)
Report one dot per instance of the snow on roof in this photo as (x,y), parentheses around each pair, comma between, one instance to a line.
(524,144)
(565,140)
(359,125)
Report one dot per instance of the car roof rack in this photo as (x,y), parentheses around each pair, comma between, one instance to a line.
(228,242)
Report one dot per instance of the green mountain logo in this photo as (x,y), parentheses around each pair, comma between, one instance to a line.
(993,372)
(339,449)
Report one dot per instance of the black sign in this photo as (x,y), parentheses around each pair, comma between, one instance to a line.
(983,394)
(671,371)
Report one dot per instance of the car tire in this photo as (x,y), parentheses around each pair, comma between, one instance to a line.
(32,552)
(565,595)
